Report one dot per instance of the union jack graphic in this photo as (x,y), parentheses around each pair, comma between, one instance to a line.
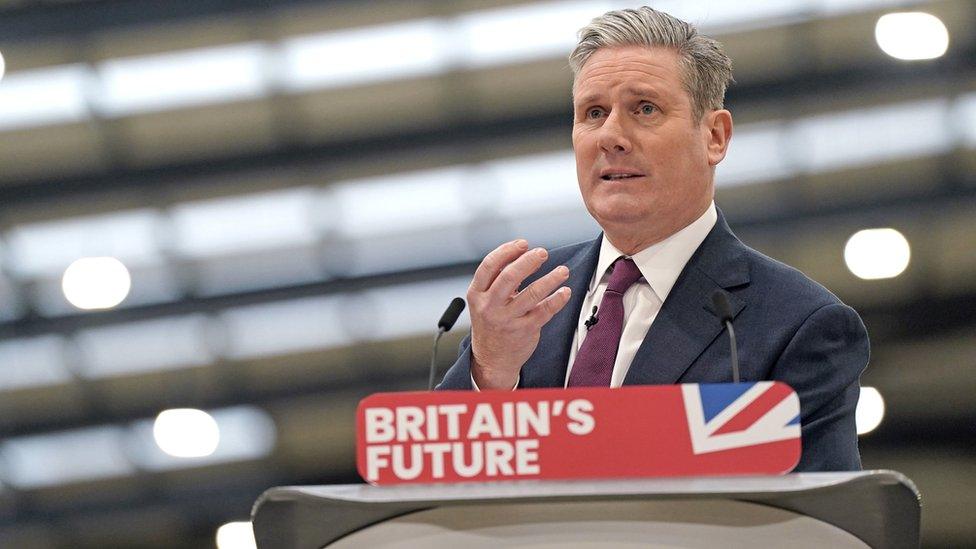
(738,415)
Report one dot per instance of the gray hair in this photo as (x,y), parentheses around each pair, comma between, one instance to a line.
(707,70)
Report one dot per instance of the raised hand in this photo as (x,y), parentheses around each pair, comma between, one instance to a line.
(506,323)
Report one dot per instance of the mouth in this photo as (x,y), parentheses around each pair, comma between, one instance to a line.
(619,176)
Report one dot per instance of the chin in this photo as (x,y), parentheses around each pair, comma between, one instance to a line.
(618,214)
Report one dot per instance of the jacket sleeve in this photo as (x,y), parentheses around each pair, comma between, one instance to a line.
(458,378)
(823,364)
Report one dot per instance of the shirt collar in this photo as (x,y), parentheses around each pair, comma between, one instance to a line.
(660,263)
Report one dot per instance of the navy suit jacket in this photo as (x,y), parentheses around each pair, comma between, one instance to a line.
(788,327)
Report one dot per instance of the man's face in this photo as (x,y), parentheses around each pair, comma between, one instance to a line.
(641,157)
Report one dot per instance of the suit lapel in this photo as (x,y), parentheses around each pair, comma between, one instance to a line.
(547,366)
(687,323)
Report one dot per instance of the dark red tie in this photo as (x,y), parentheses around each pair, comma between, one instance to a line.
(593,366)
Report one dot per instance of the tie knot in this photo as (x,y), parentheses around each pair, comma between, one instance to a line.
(623,275)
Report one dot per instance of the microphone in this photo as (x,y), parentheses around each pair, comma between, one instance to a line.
(451,315)
(444,325)
(721,302)
(591,322)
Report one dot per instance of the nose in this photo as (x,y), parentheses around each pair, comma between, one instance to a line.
(613,138)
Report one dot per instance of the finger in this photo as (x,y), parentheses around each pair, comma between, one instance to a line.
(495,261)
(539,290)
(548,307)
(511,277)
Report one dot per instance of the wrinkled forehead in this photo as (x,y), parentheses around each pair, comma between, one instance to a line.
(629,67)
(630,71)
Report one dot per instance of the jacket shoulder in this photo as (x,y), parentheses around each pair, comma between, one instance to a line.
(784,286)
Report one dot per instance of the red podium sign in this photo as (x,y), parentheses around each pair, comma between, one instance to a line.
(660,430)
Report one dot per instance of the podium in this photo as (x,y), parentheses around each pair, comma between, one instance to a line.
(859,509)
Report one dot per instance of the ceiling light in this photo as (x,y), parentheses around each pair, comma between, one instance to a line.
(283,327)
(186,432)
(79,455)
(37,97)
(400,203)
(236,535)
(96,283)
(40,361)
(143,346)
(522,33)
(42,249)
(870,410)
(361,56)
(833,141)
(752,161)
(874,254)
(912,36)
(245,223)
(245,433)
(181,79)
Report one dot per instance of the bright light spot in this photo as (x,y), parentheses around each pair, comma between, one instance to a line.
(186,432)
(912,35)
(362,55)
(49,95)
(870,410)
(532,31)
(236,535)
(96,282)
(179,79)
(2,65)
(873,254)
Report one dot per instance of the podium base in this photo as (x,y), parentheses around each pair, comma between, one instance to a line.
(646,524)
(861,509)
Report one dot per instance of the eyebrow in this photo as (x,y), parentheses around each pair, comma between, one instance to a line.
(590,98)
(644,91)
(634,91)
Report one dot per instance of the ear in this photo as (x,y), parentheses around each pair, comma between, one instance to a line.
(718,125)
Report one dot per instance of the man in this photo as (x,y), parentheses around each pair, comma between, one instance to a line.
(634,305)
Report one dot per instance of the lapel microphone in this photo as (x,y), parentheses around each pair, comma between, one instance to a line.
(444,325)
(721,302)
(591,322)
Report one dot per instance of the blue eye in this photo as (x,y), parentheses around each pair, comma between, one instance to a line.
(594,113)
(647,108)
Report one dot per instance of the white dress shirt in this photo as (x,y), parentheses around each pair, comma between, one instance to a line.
(660,264)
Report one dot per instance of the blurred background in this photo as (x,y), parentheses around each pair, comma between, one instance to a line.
(224,222)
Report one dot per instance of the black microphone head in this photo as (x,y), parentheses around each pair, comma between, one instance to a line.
(721,302)
(451,315)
